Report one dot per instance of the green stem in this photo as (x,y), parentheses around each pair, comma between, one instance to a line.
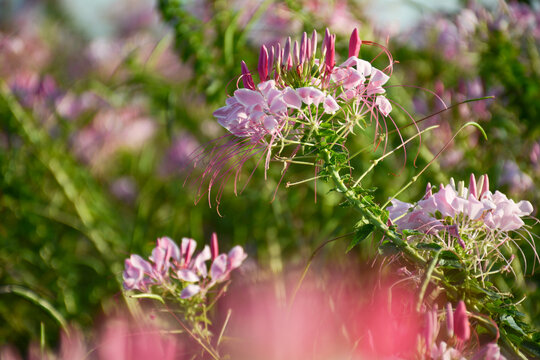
(374,220)
(427,279)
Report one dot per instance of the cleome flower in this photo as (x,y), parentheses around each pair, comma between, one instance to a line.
(177,268)
(474,219)
(300,91)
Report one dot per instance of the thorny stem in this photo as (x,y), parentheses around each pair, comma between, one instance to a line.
(366,213)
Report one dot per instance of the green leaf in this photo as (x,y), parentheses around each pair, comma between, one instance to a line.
(531,347)
(449,255)
(429,246)
(148,296)
(360,234)
(509,320)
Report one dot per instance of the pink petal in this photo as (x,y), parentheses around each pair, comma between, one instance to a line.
(190,291)
(330,105)
(187,275)
(269,123)
(248,97)
(291,98)
(384,105)
(310,95)
(236,257)
(218,270)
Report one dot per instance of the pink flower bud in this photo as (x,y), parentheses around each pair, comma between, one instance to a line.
(303,48)
(330,53)
(246,77)
(263,64)
(287,60)
(271,55)
(472,187)
(354,43)
(462,328)
(449,320)
(214,249)
(313,42)
(429,192)
(296,54)
(485,186)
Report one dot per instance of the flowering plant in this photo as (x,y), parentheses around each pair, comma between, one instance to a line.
(450,241)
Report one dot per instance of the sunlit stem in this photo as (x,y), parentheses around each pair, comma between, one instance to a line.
(352,197)
(414,178)
(289,184)
(427,279)
(376,161)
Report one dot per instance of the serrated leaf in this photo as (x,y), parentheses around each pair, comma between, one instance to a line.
(148,296)
(429,246)
(509,320)
(360,234)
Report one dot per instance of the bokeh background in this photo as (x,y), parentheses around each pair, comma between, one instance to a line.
(104,102)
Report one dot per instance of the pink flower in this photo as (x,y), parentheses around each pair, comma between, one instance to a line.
(134,274)
(462,328)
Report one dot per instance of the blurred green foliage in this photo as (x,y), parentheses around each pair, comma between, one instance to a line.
(65,231)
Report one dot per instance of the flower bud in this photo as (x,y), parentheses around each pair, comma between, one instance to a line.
(462,328)
(354,43)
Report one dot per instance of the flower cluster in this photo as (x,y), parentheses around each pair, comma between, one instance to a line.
(295,83)
(450,206)
(457,333)
(170,262)
(473,219)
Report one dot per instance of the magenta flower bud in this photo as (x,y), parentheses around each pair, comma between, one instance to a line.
(246,77)
(277,56)
(472,187)
(303,48)
(354,43)
(449,320)
(313,42)
(429,192)
(309,52)
(330,53)
(271,55)
(326,40)
(462,328)
(214,250)
(296,53)
(287,51)
(485,185)
(263,64)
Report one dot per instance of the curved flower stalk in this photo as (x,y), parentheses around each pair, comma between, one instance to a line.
(473,222)
(304,99)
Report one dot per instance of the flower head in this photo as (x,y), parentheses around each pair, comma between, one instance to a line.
(175,266)
(300,92)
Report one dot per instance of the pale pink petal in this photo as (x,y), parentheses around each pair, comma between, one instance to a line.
(311,95)
(525,208)
(190,291)
(269,123)
(248,97)
(218,270)
(187,275)
(291,98)
(384,105)
(170,247)
(236,257)
(330,105)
